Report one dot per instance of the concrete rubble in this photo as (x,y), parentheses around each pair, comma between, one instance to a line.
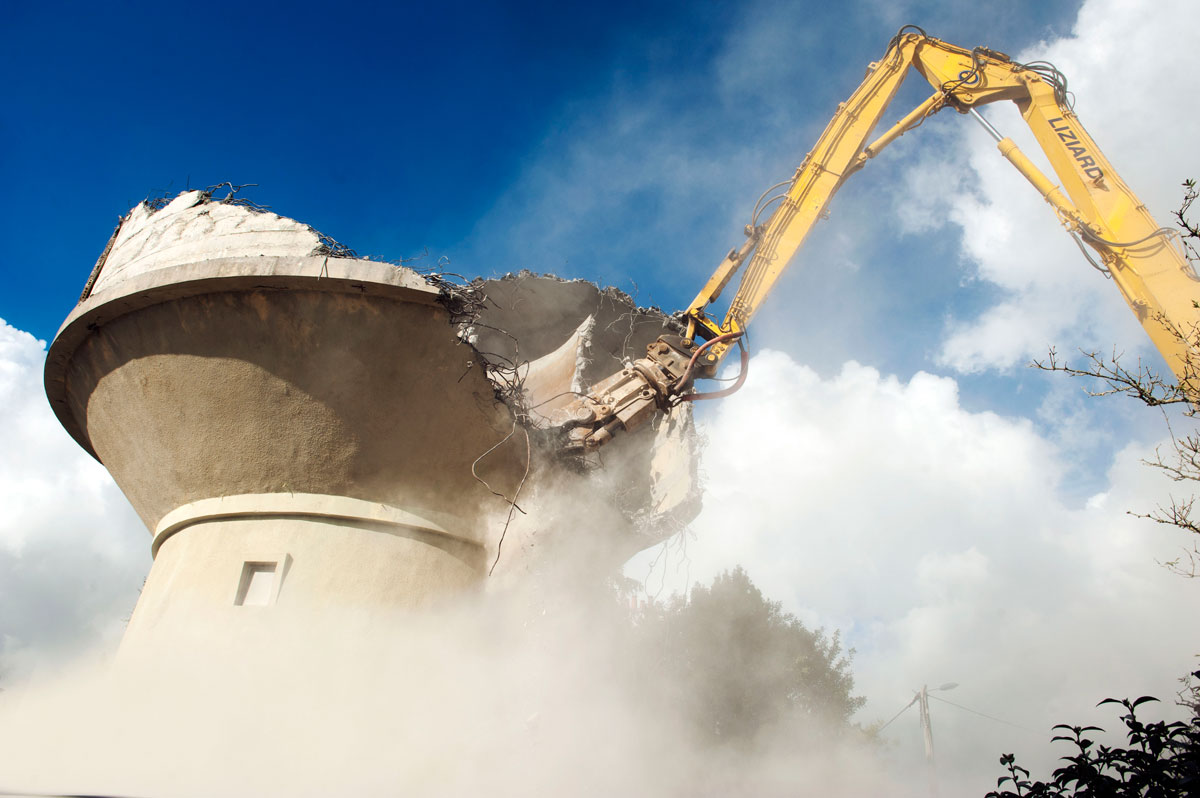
(301,427)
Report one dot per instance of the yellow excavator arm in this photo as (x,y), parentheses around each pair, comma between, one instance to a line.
(1094,205)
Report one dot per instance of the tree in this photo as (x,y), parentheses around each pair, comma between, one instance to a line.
(1161,759)
(741,667)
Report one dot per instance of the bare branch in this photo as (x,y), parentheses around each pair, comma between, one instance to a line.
(1191,230)
(1182,462)
(1141,383)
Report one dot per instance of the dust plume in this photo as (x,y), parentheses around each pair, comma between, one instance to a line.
(541,688)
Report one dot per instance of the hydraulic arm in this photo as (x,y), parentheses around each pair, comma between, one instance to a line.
(1093,204)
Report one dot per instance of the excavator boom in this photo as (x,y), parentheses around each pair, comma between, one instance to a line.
(1095,206)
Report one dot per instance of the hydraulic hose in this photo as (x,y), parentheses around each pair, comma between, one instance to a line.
(741,378)
(691,366)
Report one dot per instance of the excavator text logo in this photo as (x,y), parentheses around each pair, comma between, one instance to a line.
(1086,162)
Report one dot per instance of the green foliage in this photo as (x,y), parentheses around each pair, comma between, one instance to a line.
(742,667)
(1161,760)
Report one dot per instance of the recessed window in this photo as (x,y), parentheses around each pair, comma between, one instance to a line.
(257,586)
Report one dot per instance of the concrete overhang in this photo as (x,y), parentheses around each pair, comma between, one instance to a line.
(219,275)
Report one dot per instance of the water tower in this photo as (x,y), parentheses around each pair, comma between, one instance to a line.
(301,429)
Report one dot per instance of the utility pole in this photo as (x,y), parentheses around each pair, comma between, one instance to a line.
(927,729)
(921,698)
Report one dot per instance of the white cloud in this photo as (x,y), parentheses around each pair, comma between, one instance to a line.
(72,552)
(938,540)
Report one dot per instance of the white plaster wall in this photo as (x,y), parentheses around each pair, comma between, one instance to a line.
(191,230)
(323,563)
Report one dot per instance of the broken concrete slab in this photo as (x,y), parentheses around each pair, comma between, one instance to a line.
(528,316)
(551,382)
(633,496)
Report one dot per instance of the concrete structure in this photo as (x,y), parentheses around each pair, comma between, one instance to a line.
(298,428)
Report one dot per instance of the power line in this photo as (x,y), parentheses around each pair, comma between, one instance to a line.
(975,712)
(898,714)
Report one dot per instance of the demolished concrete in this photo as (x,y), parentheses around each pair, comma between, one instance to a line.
(299,428)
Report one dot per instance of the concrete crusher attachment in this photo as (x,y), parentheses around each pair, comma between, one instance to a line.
(299,428)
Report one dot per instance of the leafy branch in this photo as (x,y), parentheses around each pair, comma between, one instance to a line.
(1160,759)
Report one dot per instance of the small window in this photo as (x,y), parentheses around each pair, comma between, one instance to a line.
(257,586)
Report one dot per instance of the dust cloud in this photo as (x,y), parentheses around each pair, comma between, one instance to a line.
(523,692)
(538,683)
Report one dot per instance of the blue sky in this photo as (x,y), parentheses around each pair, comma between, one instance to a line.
(475,130)
(393,129)
(955,514)
(396,129)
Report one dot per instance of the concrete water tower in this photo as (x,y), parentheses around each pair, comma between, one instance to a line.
(300,428)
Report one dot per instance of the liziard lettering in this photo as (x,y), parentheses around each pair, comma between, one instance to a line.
(1079,152)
